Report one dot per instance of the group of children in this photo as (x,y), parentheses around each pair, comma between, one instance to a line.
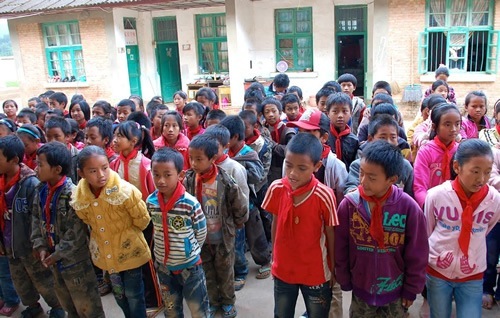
(161,206)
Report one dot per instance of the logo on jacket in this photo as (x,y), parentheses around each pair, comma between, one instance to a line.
(178,222)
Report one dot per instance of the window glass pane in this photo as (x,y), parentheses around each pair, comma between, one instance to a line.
(304,42)
(54,64)
(221,31)
(303,27)
(285,15)
(67,64)
(285,43)
(166,30)
(284,28)
(480,12)
(62,32)
(74,30)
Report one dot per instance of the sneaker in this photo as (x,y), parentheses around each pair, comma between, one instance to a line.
(104,288)
(7,310)
(229,311)
(212,310)
(239,283)
(57,313)
(32,311)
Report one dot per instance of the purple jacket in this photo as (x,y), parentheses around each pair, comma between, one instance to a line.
(379,277)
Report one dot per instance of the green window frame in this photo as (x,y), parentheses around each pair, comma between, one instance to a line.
(212,43)
(459,34)
(294,37)
(63,50)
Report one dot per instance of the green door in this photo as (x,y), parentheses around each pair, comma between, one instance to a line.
(134,69)
(168,69)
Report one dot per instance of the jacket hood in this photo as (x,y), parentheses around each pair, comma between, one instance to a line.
(393,199)
(26,172)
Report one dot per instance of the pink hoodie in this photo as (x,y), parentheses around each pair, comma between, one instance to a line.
(469,128)
(181,146)
(427,169)
(443,212)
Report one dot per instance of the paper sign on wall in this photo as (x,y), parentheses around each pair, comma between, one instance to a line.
(130,37)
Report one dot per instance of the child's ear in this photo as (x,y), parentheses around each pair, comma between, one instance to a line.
(370,138)
(58,169)
(456,166)
(317,166)
(394,179)
(80,173)
(324,138)
(182,175)
(256,125)
(106,140)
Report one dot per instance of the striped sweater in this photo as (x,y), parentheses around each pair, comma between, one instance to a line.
(187,230)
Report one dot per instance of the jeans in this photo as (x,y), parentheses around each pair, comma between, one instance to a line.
(240,260)
(7,292)
(316,298)
(491,278)
(189,285)
(468,297)
(128,289)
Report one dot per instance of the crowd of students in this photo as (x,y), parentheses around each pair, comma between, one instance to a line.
(160,205)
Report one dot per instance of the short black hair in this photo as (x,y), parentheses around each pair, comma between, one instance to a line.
(84,106)
(198,108)
(424,104)
(380,121)
(141,118)
(248,115)
(324,92)
(41,109)
(289,98)
(471,148)
(270,101)
(105,106)
(435,100)
(139,99)
(251,102)
(177,117)
(58,122)
(382,85)
(35,99)
(12,147)
(155,110)
(88,152)
(46,94)
(338,99)
(235,125)
(438,83)
(181,94)
(334,85)
(382,153)
(206,92)
(347,77)
(497,107)
(384,108)
(152,104)
(306,144)
(60,97)
(11,125)
(75,129)
(76,98)
(167,154)
(255,90)
(442,70)
(104,126)
(32,132)
(57,154)
(216,114)
(127,102)
(55,111)
(295,89)
(220,132)
(206,143)
(27,112)
(281,80)
(382,98)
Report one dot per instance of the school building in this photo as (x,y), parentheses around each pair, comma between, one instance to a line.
(109,49)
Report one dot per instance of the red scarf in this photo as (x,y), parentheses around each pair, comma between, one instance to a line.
(251,140)
(207,177)
(221,159)
(469,205)
(338,136)
(126,161)
(165,207)
(4,188)
(376,226)
(286,207)
(82,125)
(30,160)
(326,151)
(109,152)
(233,154)
(445,162)
(498,129)
(50,195)
(275,134)
(296,118)
(191,133)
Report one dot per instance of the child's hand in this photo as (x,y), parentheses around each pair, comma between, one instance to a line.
(43,255)
(49,261)
(36,254)
(406,303)
(333,281)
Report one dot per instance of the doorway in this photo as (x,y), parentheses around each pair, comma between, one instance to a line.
(132,50)
(167,56)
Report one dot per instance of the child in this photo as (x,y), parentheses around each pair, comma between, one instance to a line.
(271,109)
(475,119)
(32,140)
(180,99)
(298,92)
(124,108)
(381,87)
(117,215)
(440,87)
(342,141)
(17,190)
(60,237)
(304,217)
(225,208)
(255,91)
(214,117)
(291,106)
(182,229)
(279,86)
(32,102)
(207,98)
(10,109)
(99,132)
(348,82)
(321,97)
(193,113)
(76,136)
(103,109)
(172,136)
(54,112)
(381,243)
(378,109)
(420,118)
(422,131)
(58,129)
(59,100)
(26,116)
(460,213)
(156,116)
(492,136)
(40,112)
(80,111)
(138,101)
(7,127)
(442,73)
(432,165)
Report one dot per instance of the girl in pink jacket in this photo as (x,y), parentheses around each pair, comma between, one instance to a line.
(432,165)
(475,119)
(459,214)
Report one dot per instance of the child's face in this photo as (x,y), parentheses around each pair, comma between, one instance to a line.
(95,171)
(252,108)
(165,177)
(23,120)
(30,146)
(211,122)
(94,137)
(40,121)
(476,108)
(45,172)
(441,90)
(171,130)
(121,143)
(449,126)
(442,77)
(348,88)
(271,114)
(299,169)
(157,118)
(248,129)
(191,119)
(388,133)
(137,104)
(373,179)
(10,109)
(474,173)
(32,104)
(7,165)
(77,113)
(199,161)
(98,111)
(339,116)
(123,112)
(55,104)
(179,102)
(56,134)
(497,118)
(291,111)
(203,100)
(322,104)
(425,113)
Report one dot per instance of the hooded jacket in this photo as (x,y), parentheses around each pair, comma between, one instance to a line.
(182,146)
(249,159)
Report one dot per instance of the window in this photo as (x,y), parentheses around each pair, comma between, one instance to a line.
(294,41)
(459,34)
(212,43)
(63,48)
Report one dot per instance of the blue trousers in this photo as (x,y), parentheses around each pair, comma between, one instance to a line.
(7,292)
(491,278)
(128,289)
